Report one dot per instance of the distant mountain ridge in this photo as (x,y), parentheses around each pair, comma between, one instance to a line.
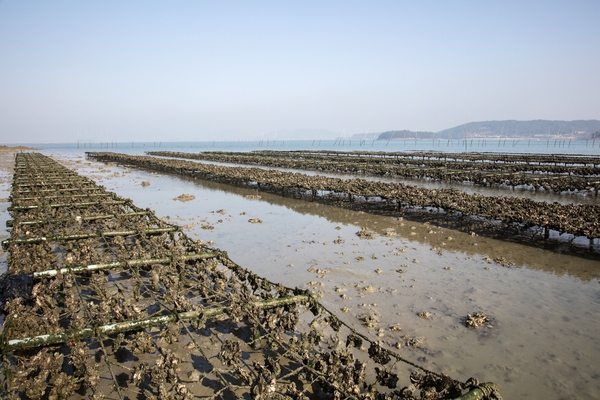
(405,134)
(580,129)
(541,128)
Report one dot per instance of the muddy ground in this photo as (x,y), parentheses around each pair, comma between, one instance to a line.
(410,284)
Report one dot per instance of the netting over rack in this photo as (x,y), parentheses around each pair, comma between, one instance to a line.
(104,300)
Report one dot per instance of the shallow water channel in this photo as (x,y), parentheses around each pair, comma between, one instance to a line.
(544,306)
(583,197)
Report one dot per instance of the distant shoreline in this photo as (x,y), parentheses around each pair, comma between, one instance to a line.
(13,148)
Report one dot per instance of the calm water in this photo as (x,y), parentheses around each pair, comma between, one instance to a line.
(503,146)
(563,146)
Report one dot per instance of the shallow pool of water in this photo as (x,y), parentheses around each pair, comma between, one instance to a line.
(583,197)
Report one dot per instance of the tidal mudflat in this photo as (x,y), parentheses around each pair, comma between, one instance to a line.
(410,284)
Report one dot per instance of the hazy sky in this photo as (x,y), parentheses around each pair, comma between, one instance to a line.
(179,70)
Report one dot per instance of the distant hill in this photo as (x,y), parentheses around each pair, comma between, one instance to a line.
(367,136)
(582,129)
(579,129)
(404,134)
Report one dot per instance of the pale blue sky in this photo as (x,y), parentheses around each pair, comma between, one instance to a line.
(179,70)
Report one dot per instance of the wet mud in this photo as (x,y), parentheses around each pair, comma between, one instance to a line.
(542,305)
(536,299)
(126,305)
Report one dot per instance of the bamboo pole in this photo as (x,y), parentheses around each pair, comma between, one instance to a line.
(53,188)
(7,242)
(11,223)
(128,326)
(50,179)
(484,391)
(117,264)
(77,189)
(84,204)
(49,170)
(24,179)
(58,197)
(42,182)
(42,167)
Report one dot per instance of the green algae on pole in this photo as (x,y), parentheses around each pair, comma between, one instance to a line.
(129,326)
(128,263)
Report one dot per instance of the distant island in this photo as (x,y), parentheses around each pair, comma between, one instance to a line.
(579,129)
(405,134)
(539,129)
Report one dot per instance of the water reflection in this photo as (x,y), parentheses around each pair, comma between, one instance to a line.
(550,197)
(519,254)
